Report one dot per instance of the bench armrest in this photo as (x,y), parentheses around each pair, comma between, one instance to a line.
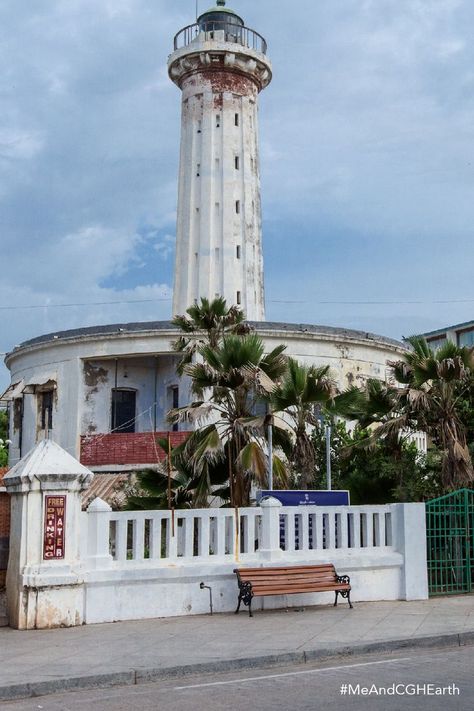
(343,579)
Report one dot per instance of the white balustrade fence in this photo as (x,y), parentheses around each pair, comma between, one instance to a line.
(144,564)
(211,534)
(184,534)
(313,528)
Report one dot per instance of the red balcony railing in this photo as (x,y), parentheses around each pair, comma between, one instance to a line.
(125,448)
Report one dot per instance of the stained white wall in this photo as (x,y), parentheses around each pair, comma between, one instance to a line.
(219,235)
(82,409)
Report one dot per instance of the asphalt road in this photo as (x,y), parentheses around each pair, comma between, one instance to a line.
(294,688)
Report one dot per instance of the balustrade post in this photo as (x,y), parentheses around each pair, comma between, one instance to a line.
(98,535)
(409,530)
(270,542)
(45,576)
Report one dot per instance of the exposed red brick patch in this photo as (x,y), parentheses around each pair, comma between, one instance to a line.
(116,448)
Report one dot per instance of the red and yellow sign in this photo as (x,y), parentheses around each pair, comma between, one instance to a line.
(54,524)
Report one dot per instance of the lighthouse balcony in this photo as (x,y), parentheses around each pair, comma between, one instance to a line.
(220,31)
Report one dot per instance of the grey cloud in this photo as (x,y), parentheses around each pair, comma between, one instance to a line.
(367,133)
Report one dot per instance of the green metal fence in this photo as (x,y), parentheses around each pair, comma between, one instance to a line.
(450,543)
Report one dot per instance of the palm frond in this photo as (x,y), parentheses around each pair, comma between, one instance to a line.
(253,459)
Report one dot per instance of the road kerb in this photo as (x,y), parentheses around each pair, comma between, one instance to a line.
(145,676)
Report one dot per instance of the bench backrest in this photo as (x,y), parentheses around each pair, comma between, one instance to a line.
(299,577)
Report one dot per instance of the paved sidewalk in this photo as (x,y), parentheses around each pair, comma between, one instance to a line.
(37,662)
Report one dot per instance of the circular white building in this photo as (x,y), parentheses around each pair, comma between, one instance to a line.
(103,392)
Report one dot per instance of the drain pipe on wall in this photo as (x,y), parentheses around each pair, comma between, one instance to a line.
(207,587)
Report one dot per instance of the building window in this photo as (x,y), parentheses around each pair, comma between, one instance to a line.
(123,410)
(199,126)
(218,121)
(198,170)
(173,402)
(47,409)
(236,119)
(466,338)
(238,251)
(237,207)
(239,298)
(237,162)
(435,343)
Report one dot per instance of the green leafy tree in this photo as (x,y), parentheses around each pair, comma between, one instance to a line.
(4,441)
(371,472)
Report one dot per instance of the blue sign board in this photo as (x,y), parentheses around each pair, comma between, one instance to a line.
(290,497)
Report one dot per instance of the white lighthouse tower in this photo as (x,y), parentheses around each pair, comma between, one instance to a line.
(220,66)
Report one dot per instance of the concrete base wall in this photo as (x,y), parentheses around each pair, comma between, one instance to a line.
(142,593)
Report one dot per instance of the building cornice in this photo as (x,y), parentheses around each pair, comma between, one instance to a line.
(165,329)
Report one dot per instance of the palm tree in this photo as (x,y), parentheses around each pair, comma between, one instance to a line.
(184,489)
(206,324)
(300,390)
(429,396)
(435,386)
(236,375)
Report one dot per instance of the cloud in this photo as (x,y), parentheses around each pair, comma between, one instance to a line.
(366,139)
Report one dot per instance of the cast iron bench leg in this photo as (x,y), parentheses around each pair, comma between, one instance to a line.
(238,605)
(335,601)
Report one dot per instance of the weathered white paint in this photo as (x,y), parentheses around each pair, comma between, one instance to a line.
(44,593)
(84,369)
(380,547)
(134,565)
(218,239)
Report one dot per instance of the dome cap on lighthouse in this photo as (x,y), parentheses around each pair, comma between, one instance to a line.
(219,14)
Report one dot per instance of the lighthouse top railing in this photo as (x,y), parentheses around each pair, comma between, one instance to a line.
(213,29)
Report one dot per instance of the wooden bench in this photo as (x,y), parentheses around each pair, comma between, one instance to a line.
(290,580)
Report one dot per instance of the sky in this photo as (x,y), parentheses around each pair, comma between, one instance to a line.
(367,162)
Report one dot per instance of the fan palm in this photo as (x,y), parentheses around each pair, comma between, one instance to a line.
(301,388)
(183,489)
(432,387)
(236,375)
(205,324)
(435,384)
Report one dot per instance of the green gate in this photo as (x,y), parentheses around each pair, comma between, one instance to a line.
(450,543)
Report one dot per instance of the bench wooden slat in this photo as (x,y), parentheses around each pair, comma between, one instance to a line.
(257,589)
(296,569)
(289,580)
(287,577)
(294,591)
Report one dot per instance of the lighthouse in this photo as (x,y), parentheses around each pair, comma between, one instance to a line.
(221,66)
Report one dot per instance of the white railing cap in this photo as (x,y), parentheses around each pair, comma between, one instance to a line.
(270,502)
(98,505)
